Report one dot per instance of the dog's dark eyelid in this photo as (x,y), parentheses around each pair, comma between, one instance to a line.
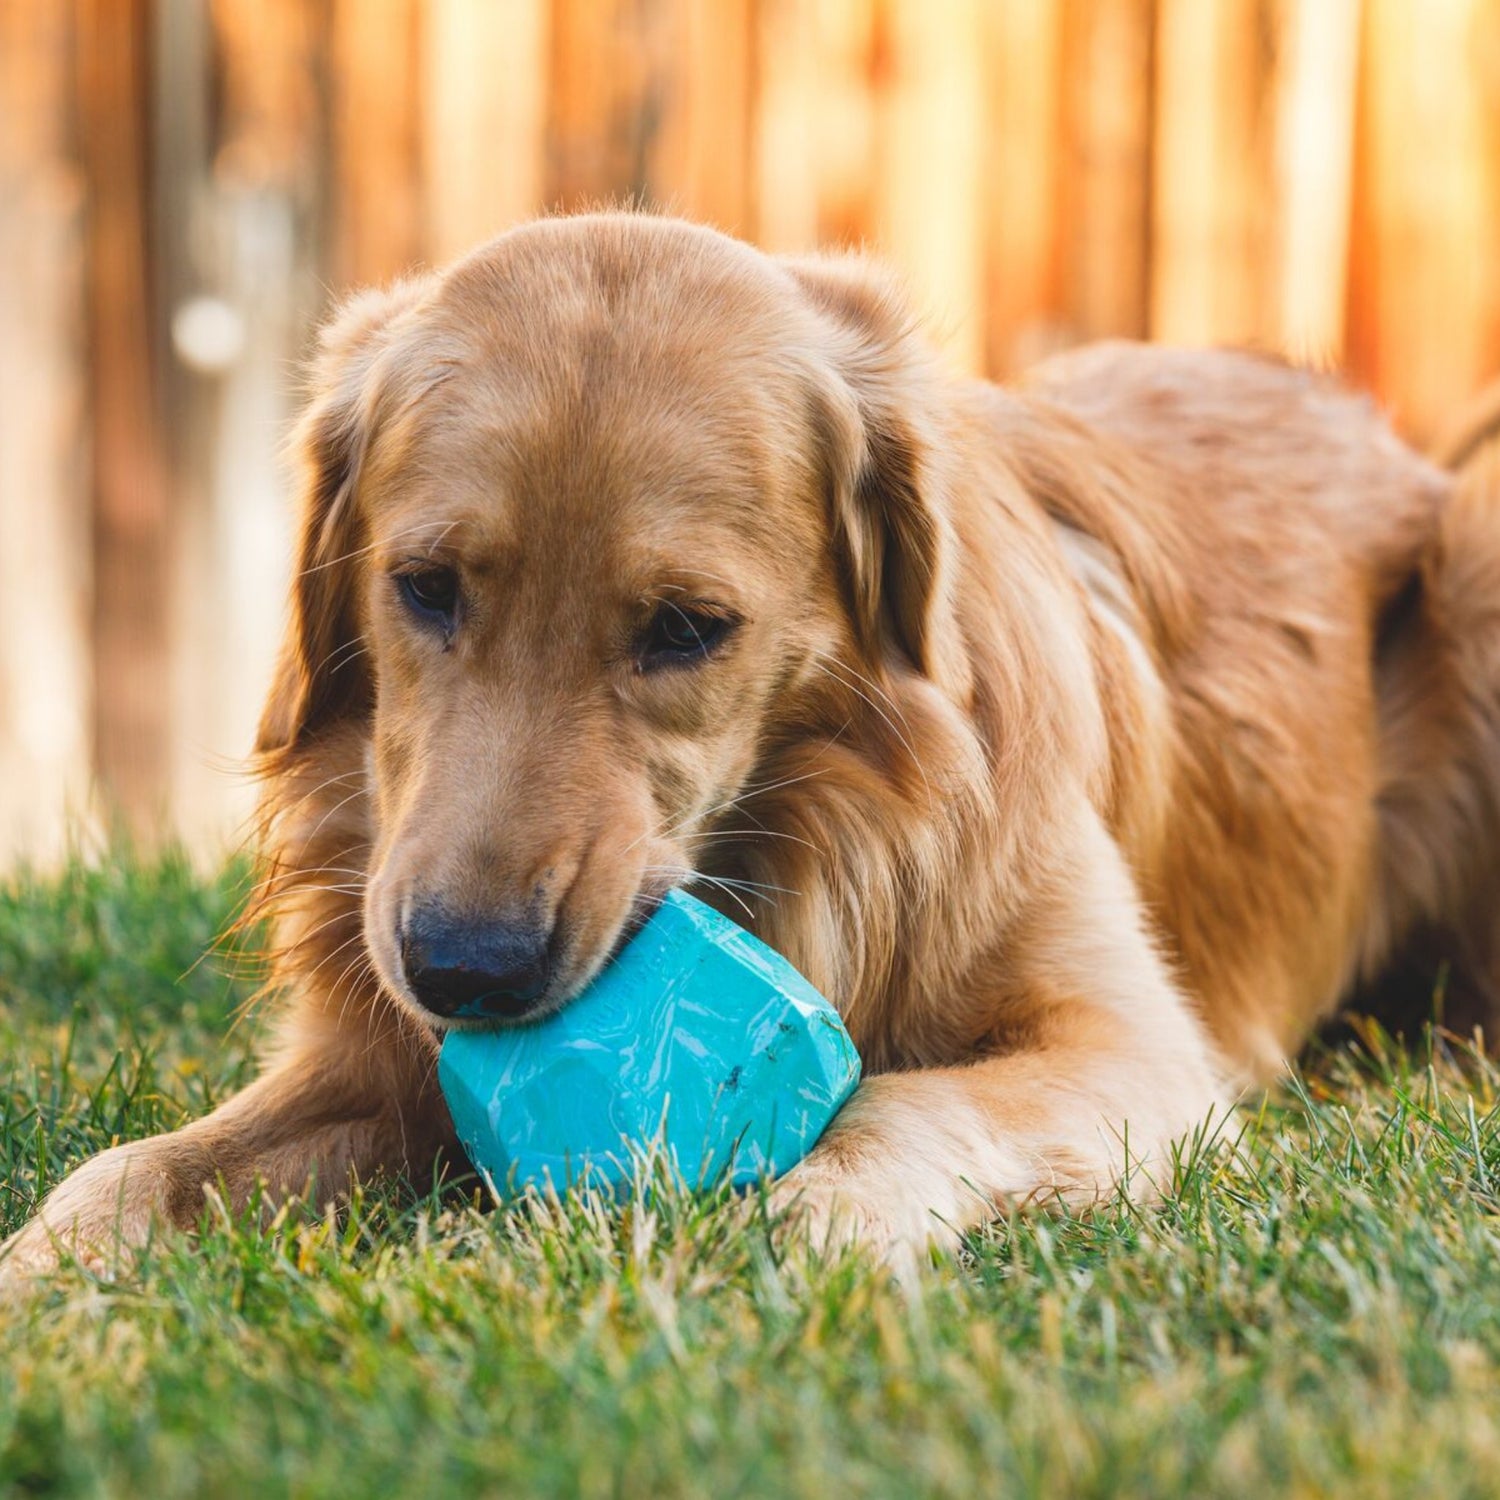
(681,635)
(430,592)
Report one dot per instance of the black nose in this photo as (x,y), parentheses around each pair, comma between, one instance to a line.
(476,971)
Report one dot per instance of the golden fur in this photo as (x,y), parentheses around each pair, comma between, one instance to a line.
(1085,741)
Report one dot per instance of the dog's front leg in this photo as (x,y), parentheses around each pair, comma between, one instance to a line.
(342,1103)
(1108,1070)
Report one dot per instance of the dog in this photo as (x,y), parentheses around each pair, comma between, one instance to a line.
(1086,741)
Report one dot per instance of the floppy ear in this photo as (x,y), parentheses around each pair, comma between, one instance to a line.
(883,422)
(321,674)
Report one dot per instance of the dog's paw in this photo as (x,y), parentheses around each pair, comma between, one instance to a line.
(25,1258)
(817,1212)
(813,1207)
(32,1254)
(903,1171)
(96,1218)
(855,1192)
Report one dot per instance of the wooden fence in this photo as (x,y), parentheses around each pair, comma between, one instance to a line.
(185,185)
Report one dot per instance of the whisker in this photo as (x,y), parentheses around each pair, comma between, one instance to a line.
(321,786)
(728,891)
(276,898)
(758,885)
(333,562)
(735,801)
(330,663)
(757,832)
(277,877)
(753,887)
(360,791)
(361,967)
(282,889)
(388,1013)
(353,937)
(701,573)
(891,724)
(264,824)
(869,682)
(293,872)
(350,914)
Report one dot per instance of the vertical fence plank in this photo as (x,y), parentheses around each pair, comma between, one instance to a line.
(784,181)
(1023,84)
(1314,168)
(183,79)
(931,198)
(131,520)
(1212,214)
(484,112)
(1106,171)
(373,75)
(599,111)
(1425,298)
(701,158)
(241,291)
(45,566)
(853,58)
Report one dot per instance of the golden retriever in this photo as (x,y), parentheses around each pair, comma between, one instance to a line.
(1085,741)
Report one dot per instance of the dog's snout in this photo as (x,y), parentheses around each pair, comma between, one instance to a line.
(477,971)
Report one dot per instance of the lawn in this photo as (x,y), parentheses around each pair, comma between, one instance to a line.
(1315,1308)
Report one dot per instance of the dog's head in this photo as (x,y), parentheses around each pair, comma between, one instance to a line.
(594,522)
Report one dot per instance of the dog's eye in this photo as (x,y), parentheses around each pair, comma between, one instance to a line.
(680,634)
(431,592)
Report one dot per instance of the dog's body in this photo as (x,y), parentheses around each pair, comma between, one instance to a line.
(1084,741)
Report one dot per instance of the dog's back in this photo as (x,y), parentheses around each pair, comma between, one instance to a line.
(1322,607)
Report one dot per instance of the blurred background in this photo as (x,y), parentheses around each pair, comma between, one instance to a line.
(186,187)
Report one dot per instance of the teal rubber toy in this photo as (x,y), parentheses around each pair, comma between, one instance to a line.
(697,1040)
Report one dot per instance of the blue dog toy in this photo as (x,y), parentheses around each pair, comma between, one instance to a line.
(697,1038)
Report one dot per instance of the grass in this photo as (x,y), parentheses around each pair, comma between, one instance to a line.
(1314,1310)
